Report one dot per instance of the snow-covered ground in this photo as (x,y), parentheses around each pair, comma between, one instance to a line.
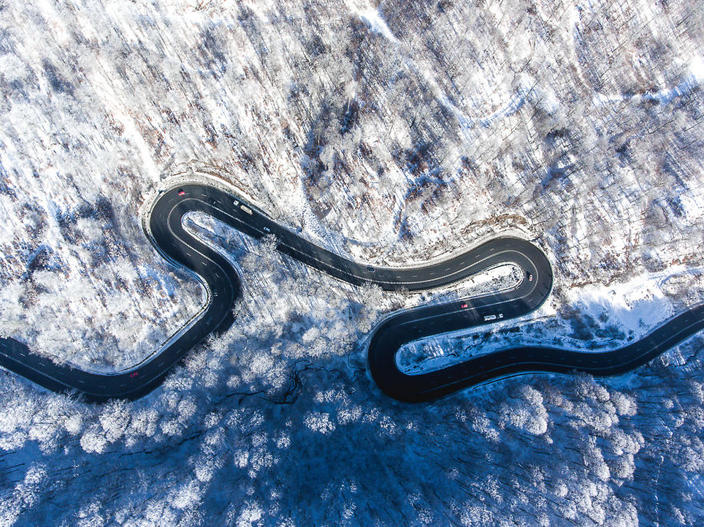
(395,132)
(593,318)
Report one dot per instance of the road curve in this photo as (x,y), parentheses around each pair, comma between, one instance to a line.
(224,287)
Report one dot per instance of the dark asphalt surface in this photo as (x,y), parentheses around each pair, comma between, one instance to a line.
(224,287)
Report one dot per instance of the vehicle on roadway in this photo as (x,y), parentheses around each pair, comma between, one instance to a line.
(175,243)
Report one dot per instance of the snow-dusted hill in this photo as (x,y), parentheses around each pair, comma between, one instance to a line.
(394,132)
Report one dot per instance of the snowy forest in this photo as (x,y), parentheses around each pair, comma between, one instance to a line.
(395,133)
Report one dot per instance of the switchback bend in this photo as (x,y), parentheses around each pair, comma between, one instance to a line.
(224,288)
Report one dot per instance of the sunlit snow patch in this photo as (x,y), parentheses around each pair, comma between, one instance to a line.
(665,96)
(376,23)
(634,307)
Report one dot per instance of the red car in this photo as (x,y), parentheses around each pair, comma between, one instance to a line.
(134,374)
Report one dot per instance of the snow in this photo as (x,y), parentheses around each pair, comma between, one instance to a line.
(377,23)
(696,68)
(397,133)
(689,83)
(634,307)
(637,305)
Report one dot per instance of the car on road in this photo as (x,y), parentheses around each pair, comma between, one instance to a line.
(370,269)
(134,374)
(181,192)
(530,277)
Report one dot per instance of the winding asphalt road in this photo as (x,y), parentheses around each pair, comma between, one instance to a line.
(224,287)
